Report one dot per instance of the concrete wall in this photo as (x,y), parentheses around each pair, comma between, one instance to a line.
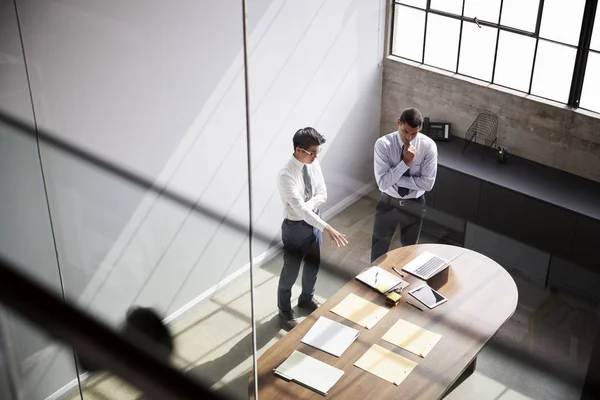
(158,89)
(537,129)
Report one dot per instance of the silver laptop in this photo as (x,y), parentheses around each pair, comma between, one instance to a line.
(427,265)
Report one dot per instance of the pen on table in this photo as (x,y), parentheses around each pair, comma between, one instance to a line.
(398,272)
(418,308)
(376,273)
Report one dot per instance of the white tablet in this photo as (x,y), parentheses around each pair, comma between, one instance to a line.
(427,296)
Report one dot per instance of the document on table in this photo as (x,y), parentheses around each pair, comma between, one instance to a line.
(412,338)
(330,336)
(386,364)
(380,279)
(309,372)
(360,311)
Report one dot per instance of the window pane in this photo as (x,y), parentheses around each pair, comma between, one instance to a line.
(485,10)
(514,60)
(596,33)
(562,22)
(590,97)
(520,14)
(477,51)
(553,71)
(451,6)
(409,28)
(441,48)
(416,3)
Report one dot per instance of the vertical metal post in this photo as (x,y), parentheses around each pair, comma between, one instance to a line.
(250,215)
(583,50)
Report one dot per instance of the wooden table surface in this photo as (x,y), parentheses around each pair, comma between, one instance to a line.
(482,296)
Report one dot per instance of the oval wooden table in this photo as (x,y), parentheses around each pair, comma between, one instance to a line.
(481,295)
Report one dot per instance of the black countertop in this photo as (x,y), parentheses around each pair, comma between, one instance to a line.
(544,183)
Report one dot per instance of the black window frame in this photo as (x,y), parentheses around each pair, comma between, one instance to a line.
(583,47)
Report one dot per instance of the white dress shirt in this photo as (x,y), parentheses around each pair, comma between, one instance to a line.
(291,189)
(389,170)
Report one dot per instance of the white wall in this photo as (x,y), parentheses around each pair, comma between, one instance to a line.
(158,88)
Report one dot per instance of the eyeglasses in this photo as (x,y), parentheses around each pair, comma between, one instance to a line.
(311,153)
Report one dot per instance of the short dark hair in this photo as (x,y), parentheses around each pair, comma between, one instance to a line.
(307,137)
(412,117)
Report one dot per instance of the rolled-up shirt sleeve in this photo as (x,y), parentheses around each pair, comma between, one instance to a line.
(386,175)
(295,199)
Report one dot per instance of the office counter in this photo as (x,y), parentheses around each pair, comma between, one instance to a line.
(550,210)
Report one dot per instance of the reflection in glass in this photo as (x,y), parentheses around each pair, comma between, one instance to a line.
(514,61)
(590,96)
(35,366)
(441,48)
(562,22)
(409,26)
(520,14)
(477,51)
(553,71)
(484,10)
(451,6)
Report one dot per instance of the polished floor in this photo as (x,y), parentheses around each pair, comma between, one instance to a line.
(541,353)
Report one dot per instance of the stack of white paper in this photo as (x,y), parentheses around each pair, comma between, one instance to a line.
(330,336)
(309,372)
(381,280)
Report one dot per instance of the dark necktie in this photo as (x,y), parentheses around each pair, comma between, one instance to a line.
(402,191)
(307,184)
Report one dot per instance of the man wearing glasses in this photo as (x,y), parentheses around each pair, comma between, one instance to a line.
(405,168)
(302,190)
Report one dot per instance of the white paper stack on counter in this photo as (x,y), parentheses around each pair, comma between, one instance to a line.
(330,336)
(309,372)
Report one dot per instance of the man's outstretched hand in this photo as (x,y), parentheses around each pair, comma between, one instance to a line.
(335,237)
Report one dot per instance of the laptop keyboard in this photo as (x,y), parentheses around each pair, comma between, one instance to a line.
(430,266)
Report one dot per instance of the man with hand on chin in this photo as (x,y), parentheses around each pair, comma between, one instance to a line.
(302,190)
(405,168)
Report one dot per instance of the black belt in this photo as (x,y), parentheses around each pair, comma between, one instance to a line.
(394,201)
(292,222)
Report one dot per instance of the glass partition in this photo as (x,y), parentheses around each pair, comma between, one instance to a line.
(124,182)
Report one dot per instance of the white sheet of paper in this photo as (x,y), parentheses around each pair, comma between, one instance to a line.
(309,372)
(360,311)
(411,337)
(386,364)
(380,279)
(330,336)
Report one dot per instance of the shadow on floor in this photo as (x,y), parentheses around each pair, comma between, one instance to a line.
(214,371)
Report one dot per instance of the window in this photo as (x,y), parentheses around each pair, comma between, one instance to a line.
(451,6)
(477,50)
(553,71)
(520,14)
(595,45)
(407,22)
(548,48)
(484,10)
(514,60)
(441,45)
(590,95)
